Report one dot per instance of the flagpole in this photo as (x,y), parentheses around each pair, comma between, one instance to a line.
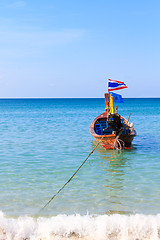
(106,102)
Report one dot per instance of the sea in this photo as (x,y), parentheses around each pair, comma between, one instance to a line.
(114,196)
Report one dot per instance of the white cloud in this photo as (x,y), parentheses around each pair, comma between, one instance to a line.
(17,4)
(41,38)
(1,76)
(15,45)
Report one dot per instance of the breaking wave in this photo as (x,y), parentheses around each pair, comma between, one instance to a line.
(87,227)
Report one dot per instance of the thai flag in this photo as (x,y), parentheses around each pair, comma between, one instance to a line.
(115,85)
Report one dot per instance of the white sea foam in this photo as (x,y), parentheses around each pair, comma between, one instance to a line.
(102,227)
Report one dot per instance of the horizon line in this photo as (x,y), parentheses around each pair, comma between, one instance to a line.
(73,98)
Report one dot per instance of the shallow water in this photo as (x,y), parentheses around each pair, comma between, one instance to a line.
(43,142)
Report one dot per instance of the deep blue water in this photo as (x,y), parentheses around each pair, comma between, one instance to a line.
(43,141)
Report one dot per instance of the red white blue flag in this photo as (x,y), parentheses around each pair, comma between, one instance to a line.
(115,85)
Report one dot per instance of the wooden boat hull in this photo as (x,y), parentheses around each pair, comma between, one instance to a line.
(108,141)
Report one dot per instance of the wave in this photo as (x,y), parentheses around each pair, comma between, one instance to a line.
(87,227)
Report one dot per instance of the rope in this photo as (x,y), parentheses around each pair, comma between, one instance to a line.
(118,141)
(71,176)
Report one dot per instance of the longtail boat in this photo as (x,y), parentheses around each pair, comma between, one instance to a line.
(112,130)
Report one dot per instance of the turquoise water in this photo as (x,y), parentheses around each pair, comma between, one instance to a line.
(44,141)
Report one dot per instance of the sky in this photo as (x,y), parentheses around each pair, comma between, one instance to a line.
(69,48)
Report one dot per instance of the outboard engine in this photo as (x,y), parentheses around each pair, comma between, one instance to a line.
(114,121)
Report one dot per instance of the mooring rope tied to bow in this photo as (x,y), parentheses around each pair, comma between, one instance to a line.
(71,176)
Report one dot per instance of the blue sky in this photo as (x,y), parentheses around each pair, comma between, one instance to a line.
(69,48)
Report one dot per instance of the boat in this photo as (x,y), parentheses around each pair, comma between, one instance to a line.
(110,129)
